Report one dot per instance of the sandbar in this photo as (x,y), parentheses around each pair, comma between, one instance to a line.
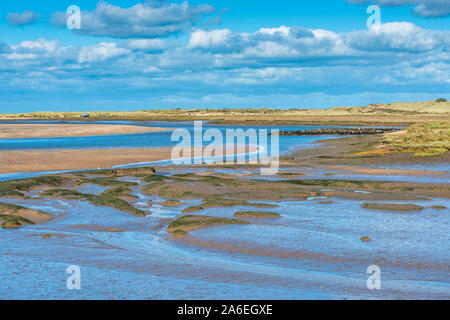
(39,130)
(12,161)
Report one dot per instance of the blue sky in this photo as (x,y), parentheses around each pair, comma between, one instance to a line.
(131,55)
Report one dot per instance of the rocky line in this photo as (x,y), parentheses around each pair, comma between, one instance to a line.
(339,131)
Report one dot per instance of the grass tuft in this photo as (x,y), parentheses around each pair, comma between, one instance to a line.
(193,222)
(423,140)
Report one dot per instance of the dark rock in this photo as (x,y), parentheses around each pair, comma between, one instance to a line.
(339,131)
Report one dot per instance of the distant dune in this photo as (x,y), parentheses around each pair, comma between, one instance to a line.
(399,113)
(432,106)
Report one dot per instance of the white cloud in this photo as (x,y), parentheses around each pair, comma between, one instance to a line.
(209,39)
(287,62)
(422,8)
(40,45)
(22,19)
(401,36)
(101,52)
(143,20)
(283,30)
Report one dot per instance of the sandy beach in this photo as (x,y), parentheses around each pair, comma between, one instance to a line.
(12,130)
(76,159)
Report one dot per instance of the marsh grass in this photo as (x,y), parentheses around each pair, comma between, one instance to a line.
(422,140)
(135,172)
(399,113)
(256,214)
(15,188)
(438,207)
(121,191)
(392,206)
(193,222)
(11,221)
(171,203)
(193,209)
(97,200)
(330,183)
(156,178)
(108,182)
(9,216)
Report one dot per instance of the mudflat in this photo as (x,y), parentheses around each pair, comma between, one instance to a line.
(76,159)
(13,130)
(67,159)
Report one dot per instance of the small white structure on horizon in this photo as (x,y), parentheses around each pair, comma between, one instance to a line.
(84,115)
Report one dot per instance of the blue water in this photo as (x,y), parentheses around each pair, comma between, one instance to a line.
(312,252)
(141,140)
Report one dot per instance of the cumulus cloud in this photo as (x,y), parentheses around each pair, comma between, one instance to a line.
(219,40)
(101,52)
(397,36)
(293,45)
(151,19)
(285,62)
(264,42)
(39,46)
(422,8)
(22,19)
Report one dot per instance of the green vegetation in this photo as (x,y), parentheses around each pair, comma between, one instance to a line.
(63,193)
(12,222)
(214,202)
(214,192)
(97,200)
(121,191)
(108,182)
(134,172)
(290,174)
(392,206)
(337,183)
(193,209)
(421,139)
(9,208)
(171,203)
(11,215)
(256,214)
(14,188)
(155,178)
(179,234)
(392,113)
(190,222)
(438,207)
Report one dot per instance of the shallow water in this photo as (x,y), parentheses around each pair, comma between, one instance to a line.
(141,140)
(313,251)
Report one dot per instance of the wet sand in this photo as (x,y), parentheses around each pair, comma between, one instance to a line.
(381,171)
(312,251)
(14,131)
(70,159)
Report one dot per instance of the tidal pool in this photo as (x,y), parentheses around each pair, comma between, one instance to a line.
(313,251)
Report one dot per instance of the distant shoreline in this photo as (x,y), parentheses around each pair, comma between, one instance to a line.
(382,114)
(43,160)
(15,131)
